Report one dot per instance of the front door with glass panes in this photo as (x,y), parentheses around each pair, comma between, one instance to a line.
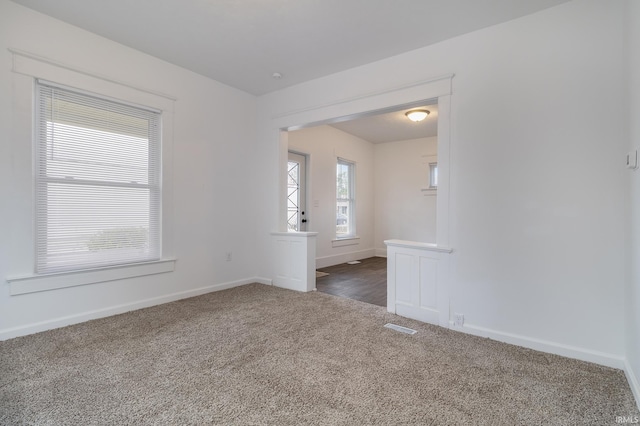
(296,193)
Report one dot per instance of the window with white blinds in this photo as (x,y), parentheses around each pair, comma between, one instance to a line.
(97,181)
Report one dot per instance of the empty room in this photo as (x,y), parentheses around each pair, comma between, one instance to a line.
(149,271)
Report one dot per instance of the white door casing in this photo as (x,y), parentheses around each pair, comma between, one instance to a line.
(425,276)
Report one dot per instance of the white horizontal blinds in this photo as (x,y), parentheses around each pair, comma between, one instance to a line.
(97,181)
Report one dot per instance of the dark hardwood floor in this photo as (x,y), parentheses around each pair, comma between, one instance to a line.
(366,281)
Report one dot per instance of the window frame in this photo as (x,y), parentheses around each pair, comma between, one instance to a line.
(28,67)
(433,175)
(350,199)
(43,179)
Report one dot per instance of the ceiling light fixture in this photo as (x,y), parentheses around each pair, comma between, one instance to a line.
(417,114)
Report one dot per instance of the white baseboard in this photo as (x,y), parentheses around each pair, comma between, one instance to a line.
(10,333)
(381,252)
(323,262)
(634,383)
(260,280)
(596,357)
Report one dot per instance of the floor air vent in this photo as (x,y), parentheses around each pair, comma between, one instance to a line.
(400,328)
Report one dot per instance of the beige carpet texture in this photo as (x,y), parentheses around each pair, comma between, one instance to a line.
(260,355)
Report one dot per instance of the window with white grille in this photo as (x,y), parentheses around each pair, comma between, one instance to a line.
(98,174)
(345,199)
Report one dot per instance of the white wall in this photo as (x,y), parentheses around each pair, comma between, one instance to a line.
(324,144)
(212,191)
(390,203)
(632,296)
(538,189)
(402,210)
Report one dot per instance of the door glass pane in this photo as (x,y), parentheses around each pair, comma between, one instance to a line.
(293,196)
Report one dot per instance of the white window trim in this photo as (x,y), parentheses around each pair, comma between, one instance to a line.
(352,199)
(46,90)
(26,68)
(43,282)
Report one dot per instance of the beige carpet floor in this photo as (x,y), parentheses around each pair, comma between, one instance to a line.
(258,355)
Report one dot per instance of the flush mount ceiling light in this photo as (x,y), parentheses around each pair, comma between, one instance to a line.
(417,114)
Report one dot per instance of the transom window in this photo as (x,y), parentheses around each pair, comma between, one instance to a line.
(98,175)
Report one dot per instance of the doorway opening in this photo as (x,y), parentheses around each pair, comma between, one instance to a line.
(391,194)
(289,272)
(365,281)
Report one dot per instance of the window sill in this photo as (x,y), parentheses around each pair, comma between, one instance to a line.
(45,282)
(347,241)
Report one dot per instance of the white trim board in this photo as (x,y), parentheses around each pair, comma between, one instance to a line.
(36,283)
(32,64)
(381,252)
(634,383)
(582,354)
(10,333)
(416,91)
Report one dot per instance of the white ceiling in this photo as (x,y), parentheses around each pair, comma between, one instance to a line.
(392,126)
(243,42)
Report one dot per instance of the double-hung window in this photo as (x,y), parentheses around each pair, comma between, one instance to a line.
(98,174)
(345,199)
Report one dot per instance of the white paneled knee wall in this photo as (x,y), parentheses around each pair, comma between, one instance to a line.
(417,281)
(295,261)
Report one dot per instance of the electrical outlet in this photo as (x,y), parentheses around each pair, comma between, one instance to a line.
(228,256)
(459,319)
